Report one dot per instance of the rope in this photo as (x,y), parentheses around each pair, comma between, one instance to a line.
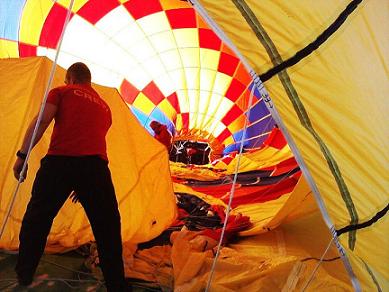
(317,266)
(228,209)
(24,168)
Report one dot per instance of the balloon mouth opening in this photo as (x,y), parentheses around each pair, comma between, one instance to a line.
(196,146)
(190,152)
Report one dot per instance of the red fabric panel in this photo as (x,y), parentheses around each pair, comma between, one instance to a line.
(226,49)
(244,195)
(226,159)
(260,194)
(275,139)
(141,8)
(181,18)
(27,50)
(234,224)
(208,39)
(94,10)
(243,100)
(172,98)
(235,90)
(185,120)
(231,116)
(182,214)
(216,191)
(285,166)
(224,135)
(153,93)
(227,64)
(128,91)
(242,75)
(52,28)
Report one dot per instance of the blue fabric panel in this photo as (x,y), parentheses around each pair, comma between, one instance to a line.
(256,143)
(256,92)
(231,148)
(142,117)
(235,146)
(255,129)
(156,115)
(252,131)
(238,135)
(258,111)
(260,127)
(10,14)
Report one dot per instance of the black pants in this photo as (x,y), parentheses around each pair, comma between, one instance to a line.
(90,178)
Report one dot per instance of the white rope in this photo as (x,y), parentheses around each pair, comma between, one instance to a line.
(317,266)
(221,34)
(232,192)
(24,168)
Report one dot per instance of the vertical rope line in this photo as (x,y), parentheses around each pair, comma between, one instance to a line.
(317,266)
(39,119)
(220,33)
(232,192)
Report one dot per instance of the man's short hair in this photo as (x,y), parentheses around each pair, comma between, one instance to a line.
(80,73)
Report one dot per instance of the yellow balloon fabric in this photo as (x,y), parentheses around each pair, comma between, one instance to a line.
(334,104)
(138,163)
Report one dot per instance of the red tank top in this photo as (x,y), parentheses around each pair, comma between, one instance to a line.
(81,122)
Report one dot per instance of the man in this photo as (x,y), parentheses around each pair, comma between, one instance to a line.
(161,134)
(76,161)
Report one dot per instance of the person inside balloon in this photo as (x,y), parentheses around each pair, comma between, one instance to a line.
(162,134)
(76,161)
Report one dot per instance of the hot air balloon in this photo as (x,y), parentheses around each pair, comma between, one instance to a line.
(166,62)
(198,68)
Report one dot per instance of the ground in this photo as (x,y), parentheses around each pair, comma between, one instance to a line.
(61,272)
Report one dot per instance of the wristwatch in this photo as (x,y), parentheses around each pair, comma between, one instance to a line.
(21,155)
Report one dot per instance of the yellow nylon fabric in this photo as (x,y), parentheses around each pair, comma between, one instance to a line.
(30,33)
(266,157)
(269,215)
(282,259)
(8,49)
(344,89)
(279,260)
(146,200)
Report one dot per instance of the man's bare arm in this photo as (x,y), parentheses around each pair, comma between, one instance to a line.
(47,116)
